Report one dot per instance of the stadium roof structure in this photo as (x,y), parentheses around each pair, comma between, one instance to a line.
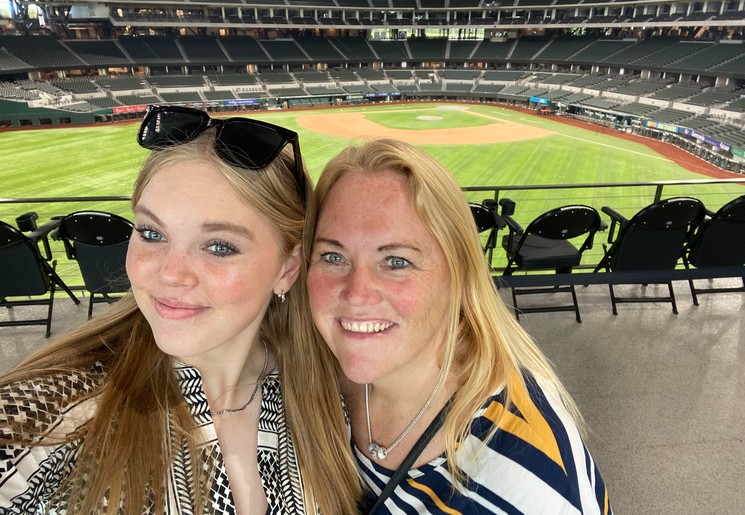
(406,15)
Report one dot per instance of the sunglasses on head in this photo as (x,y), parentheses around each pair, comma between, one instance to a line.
(242,142)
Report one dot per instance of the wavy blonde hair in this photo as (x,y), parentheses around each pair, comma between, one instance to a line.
(116,465)
(485,347)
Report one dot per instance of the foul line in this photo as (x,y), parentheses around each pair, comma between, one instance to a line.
(619,148)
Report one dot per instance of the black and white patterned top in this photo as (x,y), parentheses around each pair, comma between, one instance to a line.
(30,475)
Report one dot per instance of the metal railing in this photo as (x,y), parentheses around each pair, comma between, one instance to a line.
(628,197)
(531,201)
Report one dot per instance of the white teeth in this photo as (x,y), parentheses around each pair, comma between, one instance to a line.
(365,327)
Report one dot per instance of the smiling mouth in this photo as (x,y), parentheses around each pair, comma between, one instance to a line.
(176,310)
(364,327)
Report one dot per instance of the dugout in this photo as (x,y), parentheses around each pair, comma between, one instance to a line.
(19,114)
(606,117)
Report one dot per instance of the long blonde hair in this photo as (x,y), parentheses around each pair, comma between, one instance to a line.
(116,465)
(485,347)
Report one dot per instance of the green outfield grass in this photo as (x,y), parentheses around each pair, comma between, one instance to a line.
(104,160)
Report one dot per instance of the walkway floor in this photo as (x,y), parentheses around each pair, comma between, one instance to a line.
(662,393)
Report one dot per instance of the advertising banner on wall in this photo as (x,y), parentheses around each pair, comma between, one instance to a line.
(661,126)
(691,133)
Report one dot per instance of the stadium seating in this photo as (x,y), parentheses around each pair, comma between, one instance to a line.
(638,52)
(670,115)
(202,49)
(636,108)
(428,49)
(343,75)
(719,241)
(41,52)
(665,226)
(75,85)
(487,89)
(638,88)
(28,277)
(233,79)
(708,57)
(391,51)
(562,49)
(219,95)
(600,50)
(713,97)
(545,245)
(181,96)
(119,83)
(177,81)
(599,71)
(98,52)
(461,50)
(244,49)
(98,242)
(284,51)
(488,50)
(9,62)
(320,50)
(502,75)
(353,48)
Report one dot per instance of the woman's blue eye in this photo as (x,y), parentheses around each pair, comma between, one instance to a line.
(332,257)
(221,249)
(398,262)
(149,234)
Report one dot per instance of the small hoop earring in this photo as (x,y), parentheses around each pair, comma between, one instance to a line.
(282,297)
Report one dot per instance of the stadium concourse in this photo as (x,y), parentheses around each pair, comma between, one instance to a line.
(661,393)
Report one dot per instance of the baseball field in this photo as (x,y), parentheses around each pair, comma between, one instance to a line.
(481,145)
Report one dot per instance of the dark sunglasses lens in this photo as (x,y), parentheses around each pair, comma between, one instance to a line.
(164,127)
(247,144)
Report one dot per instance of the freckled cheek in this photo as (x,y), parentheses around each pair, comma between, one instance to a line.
(230,286)
(405,302)
(322,289)
(137,263)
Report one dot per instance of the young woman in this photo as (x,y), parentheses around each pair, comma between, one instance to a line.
(173,401)
(402,296)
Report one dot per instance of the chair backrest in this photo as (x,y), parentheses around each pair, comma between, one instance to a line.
(99,242)
(565,223)
(654,238)
(95,228)
(720,240)
(483,217)
(23,271)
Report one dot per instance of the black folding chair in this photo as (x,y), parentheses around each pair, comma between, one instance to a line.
(487,219)
(26,273)
(98,241)
(719,241)
(653,239)
(545,245)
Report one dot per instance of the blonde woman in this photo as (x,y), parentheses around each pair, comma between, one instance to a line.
(402,296)
(173,401)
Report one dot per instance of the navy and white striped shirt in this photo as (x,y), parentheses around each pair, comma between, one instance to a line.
(536,463)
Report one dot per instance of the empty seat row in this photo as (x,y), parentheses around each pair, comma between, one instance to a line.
(96,240)
(665,235)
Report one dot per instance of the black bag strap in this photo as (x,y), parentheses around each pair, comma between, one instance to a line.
(410,458)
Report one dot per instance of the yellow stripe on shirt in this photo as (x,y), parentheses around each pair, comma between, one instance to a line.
(532,427)
(432,495)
